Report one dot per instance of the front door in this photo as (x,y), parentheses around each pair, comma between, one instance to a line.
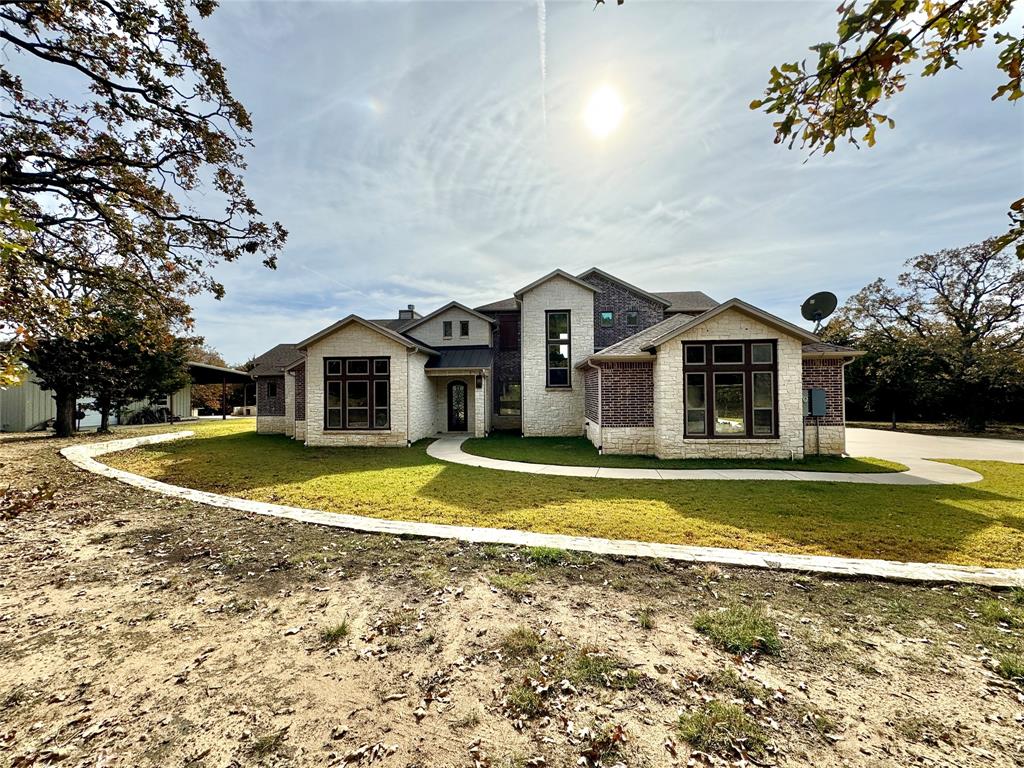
(457,406)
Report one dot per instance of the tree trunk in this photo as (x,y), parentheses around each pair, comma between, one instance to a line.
(64,425)
(103,405)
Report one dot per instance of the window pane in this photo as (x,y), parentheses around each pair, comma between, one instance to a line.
(358,418)
(760,353)
(728,353)
(762,390)
(357,367)
(358,394)
(695,354)
(558,377)
(334,394)
(558,325)
(271,389)
(607,319)
(463,327)
(632,318)
(558,355)
(380,394)
(334,367)
(762,421)
(696,423)
(729,404)
(380,367)
(380,417)
(695,390)
(446,328)
(334,418)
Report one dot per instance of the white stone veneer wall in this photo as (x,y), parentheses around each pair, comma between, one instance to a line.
(833,440)
(270,425)
(592,431)
(554,411)
(356,340)
(669,413)
(422,402)
(300,430)
(628,440)
(476,403)
(431,332)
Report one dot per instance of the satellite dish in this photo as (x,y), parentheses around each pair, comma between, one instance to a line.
(818,307)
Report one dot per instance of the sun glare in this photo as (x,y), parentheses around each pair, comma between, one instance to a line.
(604,111)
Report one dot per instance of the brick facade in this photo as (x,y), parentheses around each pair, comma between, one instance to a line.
(270,406)
(506,365)
(300,391)
(614,297)
(591,394)
(826,373)
(627,394)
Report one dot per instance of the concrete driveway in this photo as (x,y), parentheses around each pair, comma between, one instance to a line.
(904,445)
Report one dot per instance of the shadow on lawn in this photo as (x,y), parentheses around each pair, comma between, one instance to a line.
(893,522)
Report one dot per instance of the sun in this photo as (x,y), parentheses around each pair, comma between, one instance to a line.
(604,111)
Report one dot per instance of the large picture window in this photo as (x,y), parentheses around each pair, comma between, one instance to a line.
(559,348)
(357,393)
(730,389)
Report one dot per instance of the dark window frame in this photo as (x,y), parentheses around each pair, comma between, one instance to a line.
(635,315)
(504,402)
(549,342)
(372,378)
(463,329)
(271,390)
(747,368)
(611,318)
(446,329)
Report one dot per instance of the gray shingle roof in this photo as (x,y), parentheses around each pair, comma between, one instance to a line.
(462,357)
(504,305)
(823,349)
(275,360)
(634,345)
(693,302)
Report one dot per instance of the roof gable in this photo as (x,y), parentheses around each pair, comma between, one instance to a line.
(442,310)
(740,306)
(386,332)
(551,276)
(624,284)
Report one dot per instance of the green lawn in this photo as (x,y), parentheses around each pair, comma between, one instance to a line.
(977,524)
(580,452)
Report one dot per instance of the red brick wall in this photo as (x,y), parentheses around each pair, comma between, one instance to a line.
(826,374)
(627,395)
(300,392)
(269,406)
(590,390)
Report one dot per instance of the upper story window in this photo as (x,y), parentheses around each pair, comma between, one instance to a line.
(607,319)
(446,328)
(558,348)
(632,318)
(463,328)
(730,389)
(357,393)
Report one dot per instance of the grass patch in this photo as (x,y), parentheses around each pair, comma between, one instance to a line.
(268,744)
(525,700)
(739,630)
(720,729)
(591,667)
(580,452)
(1010,666)
(514,584)
(995,611)
(645,617)
(977,524)
(546,555)
(521,643)
(334,634)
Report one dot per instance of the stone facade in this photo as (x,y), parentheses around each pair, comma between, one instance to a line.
(554,410)
(615,297)
(477,403)
(828,374)
(356,340)
(628,440)
(431,332)
(289,405)
(669,413)
(270,425)
(422,421)
(300,430)
(627,394)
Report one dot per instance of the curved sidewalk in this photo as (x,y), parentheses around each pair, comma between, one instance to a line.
(83,456)
(919,472)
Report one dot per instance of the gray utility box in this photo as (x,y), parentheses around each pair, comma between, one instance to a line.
(814,402)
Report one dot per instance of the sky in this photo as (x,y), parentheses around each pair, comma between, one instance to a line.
(428,151)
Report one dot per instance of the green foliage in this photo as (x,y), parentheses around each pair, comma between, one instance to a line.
(739,629)
(546,555)
(1010,666)
(948,336)
(520,643)
(525,700)
(592,667)
(335,633)
(720,729)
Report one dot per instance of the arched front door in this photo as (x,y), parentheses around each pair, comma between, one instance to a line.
(457,406)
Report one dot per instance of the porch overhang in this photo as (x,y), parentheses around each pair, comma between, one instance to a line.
(439,373)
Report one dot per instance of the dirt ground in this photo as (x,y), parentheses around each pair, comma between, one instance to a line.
(137,630)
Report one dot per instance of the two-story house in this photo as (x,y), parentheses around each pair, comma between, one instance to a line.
(673,374)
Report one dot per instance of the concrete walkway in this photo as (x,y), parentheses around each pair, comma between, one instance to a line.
(920,471)
(84,456)
(899,446)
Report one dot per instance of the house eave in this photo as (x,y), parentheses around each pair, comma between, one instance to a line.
(740,306)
